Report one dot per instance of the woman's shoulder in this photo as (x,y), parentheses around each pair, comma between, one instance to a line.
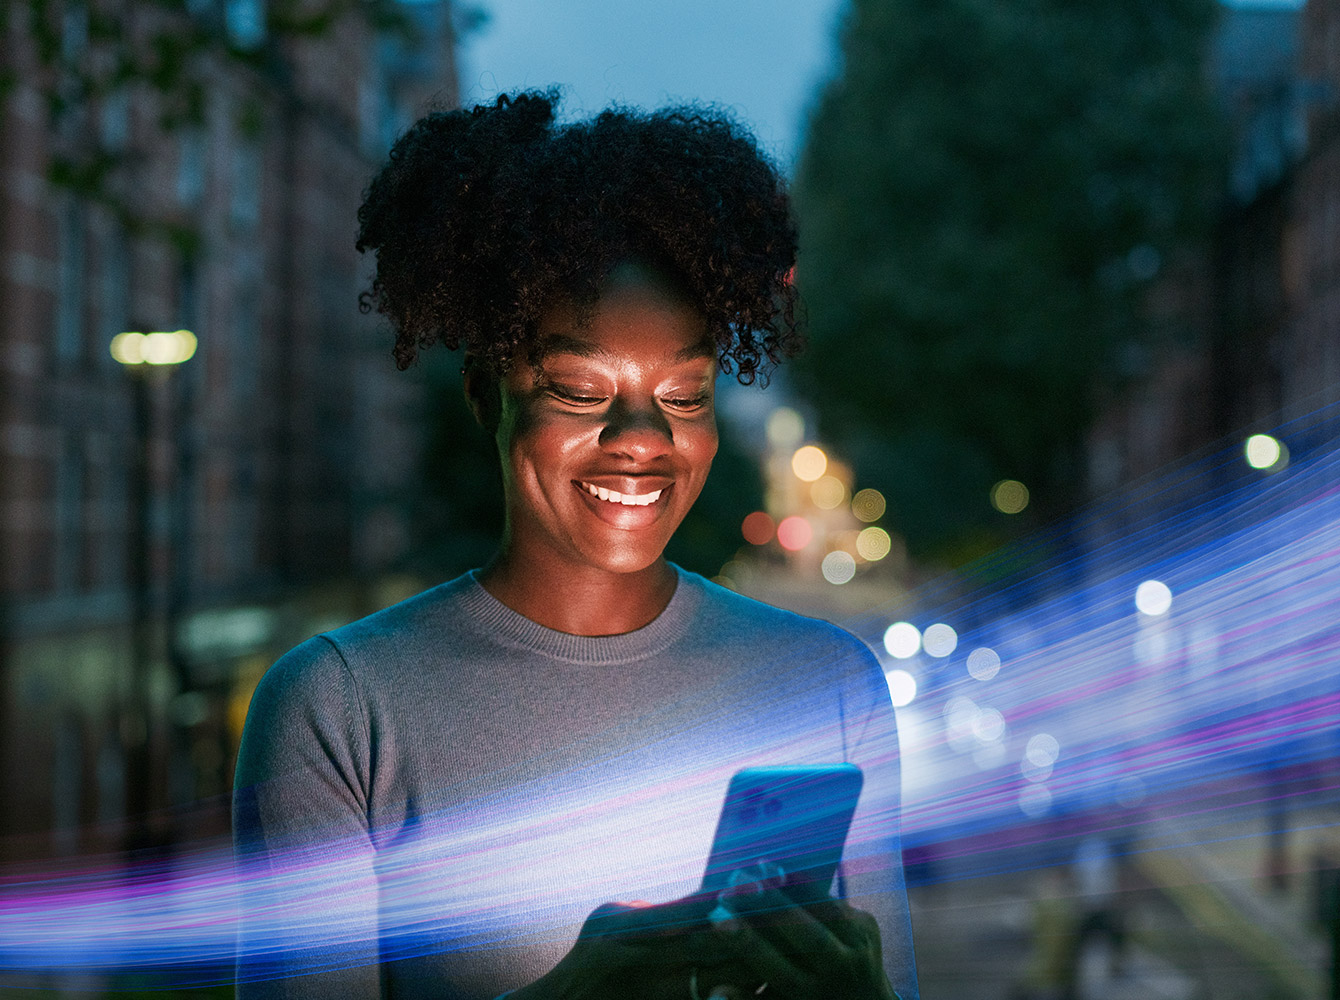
(398,634)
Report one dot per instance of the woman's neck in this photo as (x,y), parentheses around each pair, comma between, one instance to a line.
(583,602)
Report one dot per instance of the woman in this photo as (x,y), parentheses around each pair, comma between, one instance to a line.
(442,799)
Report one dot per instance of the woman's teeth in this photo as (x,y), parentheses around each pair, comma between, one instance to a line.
(627,499)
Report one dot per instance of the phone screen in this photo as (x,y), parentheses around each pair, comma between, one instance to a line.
(792,817)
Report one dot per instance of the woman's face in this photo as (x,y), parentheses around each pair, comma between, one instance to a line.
(607,439)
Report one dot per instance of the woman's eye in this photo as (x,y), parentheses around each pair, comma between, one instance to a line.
(686,402)
(577,397)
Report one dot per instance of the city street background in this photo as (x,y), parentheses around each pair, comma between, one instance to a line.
(1062,448)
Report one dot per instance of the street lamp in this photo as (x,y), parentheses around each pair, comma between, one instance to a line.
(134,349)
(146,357)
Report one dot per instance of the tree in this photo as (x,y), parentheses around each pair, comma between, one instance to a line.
(86,57)
(987,192)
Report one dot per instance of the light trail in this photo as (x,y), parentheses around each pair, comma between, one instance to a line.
(1088,704)
(1238,676)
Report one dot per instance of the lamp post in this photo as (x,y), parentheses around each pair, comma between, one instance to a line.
(147,357)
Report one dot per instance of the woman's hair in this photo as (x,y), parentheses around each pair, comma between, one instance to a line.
(483,219)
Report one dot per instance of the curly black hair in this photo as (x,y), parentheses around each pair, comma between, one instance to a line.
(483,219)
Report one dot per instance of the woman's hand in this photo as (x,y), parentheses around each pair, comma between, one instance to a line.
(635,950)
(802,951)
(724,947)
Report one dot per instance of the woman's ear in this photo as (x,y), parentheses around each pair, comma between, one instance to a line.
(481,393)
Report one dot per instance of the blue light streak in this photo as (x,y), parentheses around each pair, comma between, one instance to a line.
(1240,674)
(1093,705)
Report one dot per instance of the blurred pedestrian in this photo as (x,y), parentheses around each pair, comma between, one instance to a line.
(1052,969)
(442,800)
(1102,920)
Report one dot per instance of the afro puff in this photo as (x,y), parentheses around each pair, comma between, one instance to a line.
(483,219)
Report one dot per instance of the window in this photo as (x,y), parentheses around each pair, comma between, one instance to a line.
(191,168)
(245,206)
(72,240)
(70,534)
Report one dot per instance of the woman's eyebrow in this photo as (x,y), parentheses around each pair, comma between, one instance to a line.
(703,349)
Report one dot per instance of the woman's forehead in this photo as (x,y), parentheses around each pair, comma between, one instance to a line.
(631,319)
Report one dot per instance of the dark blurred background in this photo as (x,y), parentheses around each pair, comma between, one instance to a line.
(1050,251)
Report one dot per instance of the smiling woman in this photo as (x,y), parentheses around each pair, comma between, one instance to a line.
(605,443)
(483,767)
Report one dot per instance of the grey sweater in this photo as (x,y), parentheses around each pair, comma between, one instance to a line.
(430,801)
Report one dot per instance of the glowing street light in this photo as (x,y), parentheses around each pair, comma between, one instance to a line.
(144,355)
(1009,496)
(160,348)
(902,687)
(868,505)
(1153,598)
(902,640)
(1265,452)
(809,463)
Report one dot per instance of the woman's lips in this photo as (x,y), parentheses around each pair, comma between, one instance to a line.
(642,498)
(628,508)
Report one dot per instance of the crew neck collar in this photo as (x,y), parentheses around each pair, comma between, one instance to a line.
(512,628)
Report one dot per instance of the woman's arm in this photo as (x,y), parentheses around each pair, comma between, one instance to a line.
(309,919)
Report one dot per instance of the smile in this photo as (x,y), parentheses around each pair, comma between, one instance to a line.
(627,499)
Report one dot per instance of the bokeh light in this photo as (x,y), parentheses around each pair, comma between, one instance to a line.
(939,640)
(1043,749)
(162,348)
(827,492)
(902,687)
(1035,801)
(809,463)
(794,533)
(983,663)
(1033,771)
(989,726)
(1265,452)
(758,528)
(838,567)
(873,544)
(960,714)
(868,505)
(1009,496)
(902,640)
(786,428)
(1153,598)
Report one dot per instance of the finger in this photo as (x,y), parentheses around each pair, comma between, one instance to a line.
(620,935)
(855,928)
(765,962)
(648,920)
(790,927)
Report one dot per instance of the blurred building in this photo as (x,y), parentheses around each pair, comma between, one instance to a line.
(267,475)
(1253,330)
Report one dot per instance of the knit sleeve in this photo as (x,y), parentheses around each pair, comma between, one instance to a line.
(309,922)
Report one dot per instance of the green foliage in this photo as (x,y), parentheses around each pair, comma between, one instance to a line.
(986,193)
(89,53)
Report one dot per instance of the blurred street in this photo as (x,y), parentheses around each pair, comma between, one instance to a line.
(1204,917)
(1061,449)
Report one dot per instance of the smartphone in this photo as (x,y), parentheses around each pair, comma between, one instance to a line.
(793,817)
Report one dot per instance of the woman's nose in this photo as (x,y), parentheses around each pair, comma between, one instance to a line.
(641,433)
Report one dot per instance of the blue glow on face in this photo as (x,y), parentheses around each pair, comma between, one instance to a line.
(1059,696)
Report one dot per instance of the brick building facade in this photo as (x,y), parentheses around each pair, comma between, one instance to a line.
(270,499)
(1259,343)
